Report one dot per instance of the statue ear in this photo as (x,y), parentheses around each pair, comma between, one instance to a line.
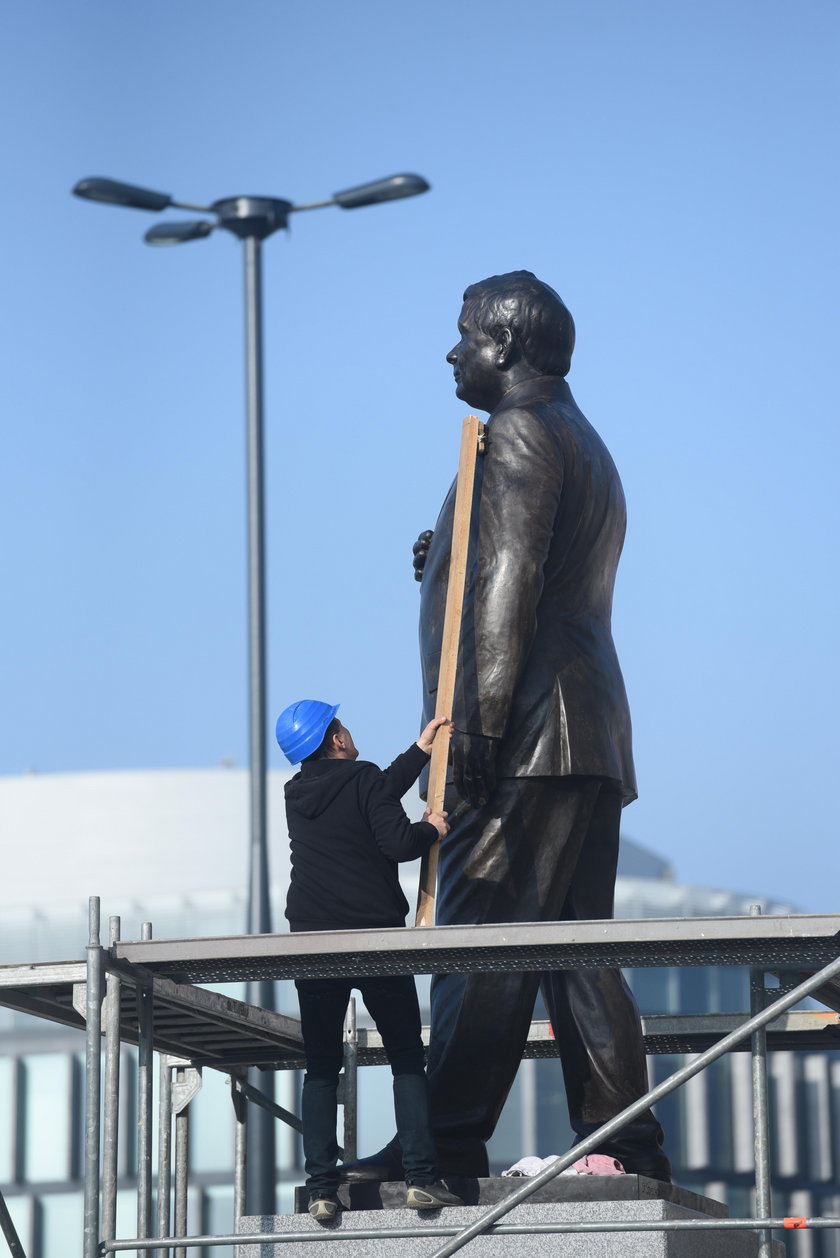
(505,348)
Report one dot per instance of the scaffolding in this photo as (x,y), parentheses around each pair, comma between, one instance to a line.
(148,993)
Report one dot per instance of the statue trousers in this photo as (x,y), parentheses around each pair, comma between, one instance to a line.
(541,849)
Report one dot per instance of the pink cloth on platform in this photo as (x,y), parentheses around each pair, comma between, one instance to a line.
(595,1164)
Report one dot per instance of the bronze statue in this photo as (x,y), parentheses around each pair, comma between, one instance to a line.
(541,754)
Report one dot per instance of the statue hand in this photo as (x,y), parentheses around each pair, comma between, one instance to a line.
(474,766)
(420,550)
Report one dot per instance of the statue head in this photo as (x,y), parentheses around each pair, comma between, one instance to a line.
(512,327)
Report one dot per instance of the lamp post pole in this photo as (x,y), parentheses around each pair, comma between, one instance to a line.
(252,219)
(259,906)
(261,1143)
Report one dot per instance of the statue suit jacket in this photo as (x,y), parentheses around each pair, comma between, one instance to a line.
(537,665)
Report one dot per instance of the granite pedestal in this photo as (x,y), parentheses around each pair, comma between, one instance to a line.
(569,1199)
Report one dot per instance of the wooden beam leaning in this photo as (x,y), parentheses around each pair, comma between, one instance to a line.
(472,444)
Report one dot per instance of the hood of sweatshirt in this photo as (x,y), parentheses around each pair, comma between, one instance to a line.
(316,786)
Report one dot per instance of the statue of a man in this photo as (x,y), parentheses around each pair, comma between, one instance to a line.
(541,753)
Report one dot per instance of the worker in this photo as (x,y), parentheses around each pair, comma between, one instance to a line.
(348,830)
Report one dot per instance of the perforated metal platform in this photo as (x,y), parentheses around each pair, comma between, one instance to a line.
(804,942)
(211,1029)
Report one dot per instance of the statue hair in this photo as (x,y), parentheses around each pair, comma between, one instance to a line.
(533,311)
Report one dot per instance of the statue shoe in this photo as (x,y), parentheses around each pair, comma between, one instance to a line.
(466,1159)
(651,1163)
(380,1167)
(638,1147)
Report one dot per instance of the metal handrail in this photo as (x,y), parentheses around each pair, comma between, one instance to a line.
(503,1229)
(7,1227)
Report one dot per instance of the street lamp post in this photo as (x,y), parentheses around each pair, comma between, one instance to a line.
(252,220)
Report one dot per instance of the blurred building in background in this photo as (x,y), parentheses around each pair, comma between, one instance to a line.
(169,847)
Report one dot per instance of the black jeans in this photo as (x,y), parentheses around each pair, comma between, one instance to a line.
(392,1003)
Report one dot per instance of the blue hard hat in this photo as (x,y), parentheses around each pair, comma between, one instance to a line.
(301,728)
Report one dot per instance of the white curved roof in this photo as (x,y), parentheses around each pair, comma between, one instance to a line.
(139,832)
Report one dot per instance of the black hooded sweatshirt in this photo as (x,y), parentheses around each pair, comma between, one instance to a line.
(348,830)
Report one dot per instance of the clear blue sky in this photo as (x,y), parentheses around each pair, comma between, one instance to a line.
(670,168)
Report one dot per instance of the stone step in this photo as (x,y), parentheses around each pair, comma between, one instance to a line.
(486,1192)
(579,1199)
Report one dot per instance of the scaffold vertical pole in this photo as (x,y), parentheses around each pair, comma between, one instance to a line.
(761,1121)
(164,1150)
(351,1059)
(145,1059)
(182,1141)
(93,1077)
(110,1135)
(240,1153)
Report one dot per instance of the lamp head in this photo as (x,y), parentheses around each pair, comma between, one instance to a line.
(178,233)
(394,188)
(114,193)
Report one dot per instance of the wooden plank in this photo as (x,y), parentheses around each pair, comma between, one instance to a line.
(472,441)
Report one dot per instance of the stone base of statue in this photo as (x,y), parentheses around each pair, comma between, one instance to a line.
(373,1208)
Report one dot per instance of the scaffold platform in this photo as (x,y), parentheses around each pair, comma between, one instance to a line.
(210,1029)
(150,992)
(786,941)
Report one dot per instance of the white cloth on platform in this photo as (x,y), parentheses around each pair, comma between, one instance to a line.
(594,1164)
